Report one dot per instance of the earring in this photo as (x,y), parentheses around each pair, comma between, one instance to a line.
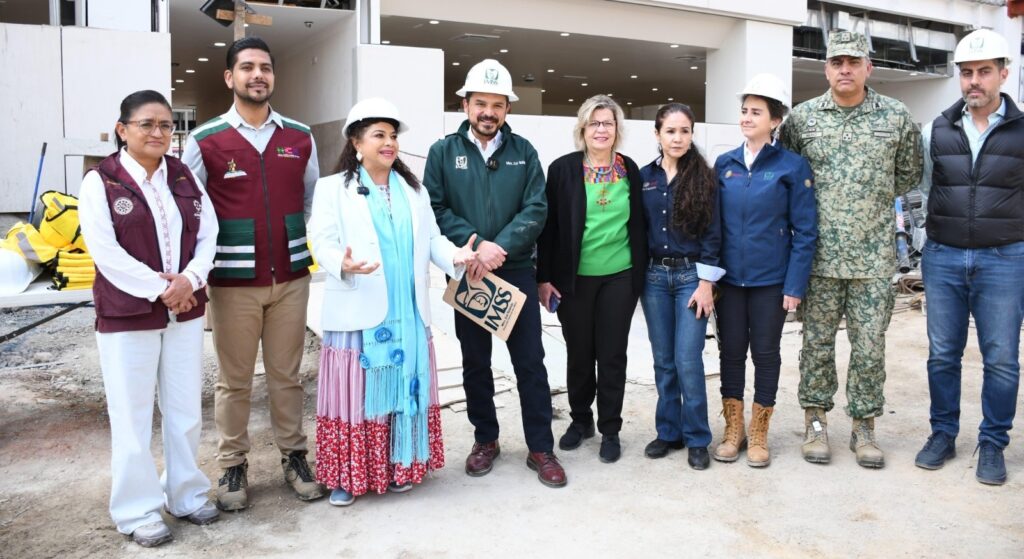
(359,156)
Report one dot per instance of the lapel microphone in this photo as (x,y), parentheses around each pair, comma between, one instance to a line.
(362,190)
(492,164)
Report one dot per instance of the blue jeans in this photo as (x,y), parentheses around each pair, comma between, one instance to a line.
(987,283)
(677,342)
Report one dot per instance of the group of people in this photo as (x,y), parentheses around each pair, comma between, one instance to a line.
(798,217)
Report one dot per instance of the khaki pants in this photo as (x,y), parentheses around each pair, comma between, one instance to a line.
(243,317)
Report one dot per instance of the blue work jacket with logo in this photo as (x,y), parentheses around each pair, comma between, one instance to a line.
(769,219)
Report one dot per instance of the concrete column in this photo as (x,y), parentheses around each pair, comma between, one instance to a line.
(751,48)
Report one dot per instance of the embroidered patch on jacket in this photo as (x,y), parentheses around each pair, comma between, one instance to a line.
(234,171)
(123,206)
(461,162)
(199,208)
(287,152)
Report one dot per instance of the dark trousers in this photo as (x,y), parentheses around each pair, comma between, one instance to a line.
(595,324)
(527,352)
(750,317)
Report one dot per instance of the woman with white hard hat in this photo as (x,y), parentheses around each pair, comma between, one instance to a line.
(373,231)
(769,230)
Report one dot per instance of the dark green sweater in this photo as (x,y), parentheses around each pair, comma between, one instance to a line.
(505,205)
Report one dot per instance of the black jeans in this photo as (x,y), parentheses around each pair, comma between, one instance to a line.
(750,317)
(595,324)
(527,352)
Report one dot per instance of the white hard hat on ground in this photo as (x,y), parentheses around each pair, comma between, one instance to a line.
(767,85)
(16,273)
(982,44)
(373,107)
(488,76)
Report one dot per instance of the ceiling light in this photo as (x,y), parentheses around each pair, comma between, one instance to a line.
(385,42)
(203,59)
(633,77)
(246,24)
(220,44)
(629,102)
(190,71)
(610,94)
(434,22)
(179,81)
(503,51)
(455,63)
(671,99)
(654,89)
(673,46)
(172,89)
(606,59)
(695,67)
(551,70)
(584,84)
(543,91)
(570,100)
(564,34)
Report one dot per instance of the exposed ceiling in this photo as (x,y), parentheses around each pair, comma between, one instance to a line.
(576,60)
(193,35)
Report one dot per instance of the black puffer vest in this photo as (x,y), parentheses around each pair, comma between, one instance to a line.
(980,205)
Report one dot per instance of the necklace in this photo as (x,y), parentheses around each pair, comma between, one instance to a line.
(602,177)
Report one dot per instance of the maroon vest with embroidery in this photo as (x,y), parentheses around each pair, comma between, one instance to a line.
(259,201)
(135,230)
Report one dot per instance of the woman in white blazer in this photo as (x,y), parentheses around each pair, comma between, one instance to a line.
(373,231)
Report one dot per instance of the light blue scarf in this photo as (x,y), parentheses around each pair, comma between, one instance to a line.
(395,354)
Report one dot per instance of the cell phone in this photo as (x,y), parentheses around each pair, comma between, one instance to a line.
(553,302)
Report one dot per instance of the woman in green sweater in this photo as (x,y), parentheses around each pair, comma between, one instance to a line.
(591,257)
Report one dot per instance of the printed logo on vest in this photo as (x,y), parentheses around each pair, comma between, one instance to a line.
(234,171)
(461,162)
(287,152)
(123,206)
(199,208)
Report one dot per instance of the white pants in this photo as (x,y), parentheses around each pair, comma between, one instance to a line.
(135,364)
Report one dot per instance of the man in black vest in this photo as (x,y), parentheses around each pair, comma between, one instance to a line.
(974,258)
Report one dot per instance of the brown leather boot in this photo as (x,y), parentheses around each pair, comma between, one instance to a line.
(549,471)
(757,451)
(734,439)
(481,458)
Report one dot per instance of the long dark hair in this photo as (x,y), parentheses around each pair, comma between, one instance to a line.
(694,184)
(348,165)
(132,102)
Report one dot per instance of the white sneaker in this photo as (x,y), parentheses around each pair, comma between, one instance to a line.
(395,488)
(152,534)
(206,514)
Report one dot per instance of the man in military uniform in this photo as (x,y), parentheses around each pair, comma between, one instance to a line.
(864,149)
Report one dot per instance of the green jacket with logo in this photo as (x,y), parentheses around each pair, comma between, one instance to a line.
(504,204)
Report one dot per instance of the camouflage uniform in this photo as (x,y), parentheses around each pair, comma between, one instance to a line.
(862,157)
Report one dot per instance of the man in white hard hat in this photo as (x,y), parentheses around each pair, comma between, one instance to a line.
(487,181)
(973,260)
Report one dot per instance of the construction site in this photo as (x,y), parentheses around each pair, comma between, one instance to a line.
(55,437)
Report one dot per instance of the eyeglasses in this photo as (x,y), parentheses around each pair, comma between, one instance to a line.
(147,126)
(606,124)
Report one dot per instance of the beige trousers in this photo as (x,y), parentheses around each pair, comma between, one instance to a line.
(242,318)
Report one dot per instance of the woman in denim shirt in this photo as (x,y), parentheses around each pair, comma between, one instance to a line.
(680,197)
(769,229)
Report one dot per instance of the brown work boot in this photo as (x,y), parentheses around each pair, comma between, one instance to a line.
(549,471)
(757,451)
(481,458)
(862,441)
(815,446)
(734,439)
(298,476)
(231,495)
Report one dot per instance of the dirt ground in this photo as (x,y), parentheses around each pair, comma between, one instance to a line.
(54,478)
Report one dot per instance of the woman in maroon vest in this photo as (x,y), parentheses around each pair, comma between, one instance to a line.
(152,232)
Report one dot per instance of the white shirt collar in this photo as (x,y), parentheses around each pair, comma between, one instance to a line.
(749,156)
(235,119)
(138,173)
(491,145)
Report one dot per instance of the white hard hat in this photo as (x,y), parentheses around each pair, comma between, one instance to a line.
(16,273)
(488,76)
(373,107)
(767,85)
(982,44)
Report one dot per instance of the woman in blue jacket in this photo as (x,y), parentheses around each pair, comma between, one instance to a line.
(769,231)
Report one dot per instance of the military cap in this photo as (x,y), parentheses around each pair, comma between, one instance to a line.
(846,43)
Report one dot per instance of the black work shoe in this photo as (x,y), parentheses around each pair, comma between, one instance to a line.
(658,448)
(939,448)
(698,458)
(991,468)
(610,449)
(575,434)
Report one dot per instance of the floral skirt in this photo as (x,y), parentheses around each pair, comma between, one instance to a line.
(352,452)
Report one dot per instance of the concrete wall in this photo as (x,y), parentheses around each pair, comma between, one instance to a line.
(63,86)
(120,15)
(750,48)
